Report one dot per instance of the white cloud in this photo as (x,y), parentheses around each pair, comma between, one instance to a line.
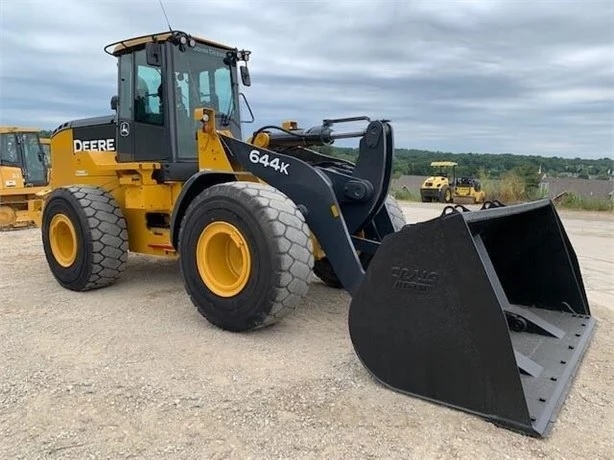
(457,76)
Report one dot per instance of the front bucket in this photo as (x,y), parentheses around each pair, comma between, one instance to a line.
(482,311)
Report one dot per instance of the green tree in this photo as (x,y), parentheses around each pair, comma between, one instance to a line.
(529,175)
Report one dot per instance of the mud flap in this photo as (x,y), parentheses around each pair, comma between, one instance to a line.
(481,311)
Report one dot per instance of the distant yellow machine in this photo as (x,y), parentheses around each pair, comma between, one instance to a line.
(23,174)
(46,145)
(444,187)
(468,191)
(437,187)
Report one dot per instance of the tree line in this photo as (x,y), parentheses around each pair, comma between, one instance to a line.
(488,165)
(482,165)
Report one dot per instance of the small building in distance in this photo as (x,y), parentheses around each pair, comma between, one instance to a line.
(587,188)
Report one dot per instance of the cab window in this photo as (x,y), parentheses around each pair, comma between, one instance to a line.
(148,94)
(8,148)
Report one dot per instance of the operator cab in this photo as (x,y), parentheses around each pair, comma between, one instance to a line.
(441,172)
(22,148)
(163,78)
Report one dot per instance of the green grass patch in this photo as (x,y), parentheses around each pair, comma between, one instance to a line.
(404,194)
(574,201)
(510,188)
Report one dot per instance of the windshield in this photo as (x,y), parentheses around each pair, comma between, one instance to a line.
(202,79)
(47,151)
(24,150)
(36,172)
(9,155)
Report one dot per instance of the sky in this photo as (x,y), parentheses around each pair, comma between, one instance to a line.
(532,77)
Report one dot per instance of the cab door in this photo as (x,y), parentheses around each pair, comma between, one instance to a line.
(33,156)
(141,121)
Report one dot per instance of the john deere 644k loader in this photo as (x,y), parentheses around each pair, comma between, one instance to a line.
(484,311)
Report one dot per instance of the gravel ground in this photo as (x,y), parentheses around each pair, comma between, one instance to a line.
(132,371)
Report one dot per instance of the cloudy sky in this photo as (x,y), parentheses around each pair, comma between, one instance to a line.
(518,76)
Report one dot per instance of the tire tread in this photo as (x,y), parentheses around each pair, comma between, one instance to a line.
(285,226)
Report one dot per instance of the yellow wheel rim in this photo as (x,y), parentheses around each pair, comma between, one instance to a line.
(223,259)
(63,240)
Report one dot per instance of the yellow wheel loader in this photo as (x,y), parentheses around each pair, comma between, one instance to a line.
(483,311)
(23,175)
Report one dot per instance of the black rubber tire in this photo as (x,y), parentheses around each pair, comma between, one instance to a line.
(102,237)
(280,248)
(324,270)
(442,195)
(396,213)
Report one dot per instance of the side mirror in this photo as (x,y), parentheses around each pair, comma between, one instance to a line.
(153,54)
(245,76)
(114,102)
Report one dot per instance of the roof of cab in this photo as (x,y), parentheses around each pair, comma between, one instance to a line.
(18,129)
(135,41)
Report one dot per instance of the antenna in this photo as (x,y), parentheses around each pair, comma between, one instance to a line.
(165,16)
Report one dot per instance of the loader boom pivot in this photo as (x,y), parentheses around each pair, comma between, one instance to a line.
(337,202)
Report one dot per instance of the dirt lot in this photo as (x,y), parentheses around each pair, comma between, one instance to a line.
(133,371)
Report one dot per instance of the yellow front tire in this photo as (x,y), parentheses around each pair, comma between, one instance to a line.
(246,255)
(84,237)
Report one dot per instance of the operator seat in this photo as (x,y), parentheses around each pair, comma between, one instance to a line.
(141,104)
